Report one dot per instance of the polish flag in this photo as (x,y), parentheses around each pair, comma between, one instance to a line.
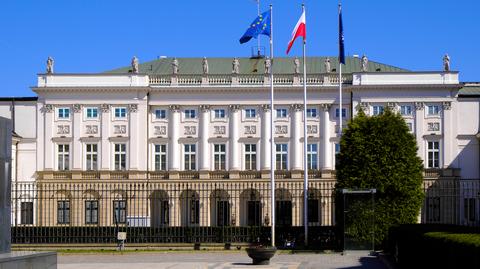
(300,30)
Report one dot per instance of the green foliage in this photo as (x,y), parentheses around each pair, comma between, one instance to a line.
(380,153)
(469,239)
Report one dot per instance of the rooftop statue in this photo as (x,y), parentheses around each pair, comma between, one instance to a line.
(175,68)
(235,66)
(50,63)
(296,62)
(446,63)
(268,65)
(205,65)
(327,65)
(364,63)
(135,64)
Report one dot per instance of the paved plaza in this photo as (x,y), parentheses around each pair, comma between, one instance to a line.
(211,260)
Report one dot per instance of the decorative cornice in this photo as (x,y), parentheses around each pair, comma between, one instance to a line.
(419,105)
(47,108)
(174,108)
(105,108)
(296,107)
(266,108)
(77,108)
(326,107)
(234,108)
(447,105)
(205,108)
(133,108)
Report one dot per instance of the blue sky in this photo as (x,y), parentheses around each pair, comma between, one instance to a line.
(91,36)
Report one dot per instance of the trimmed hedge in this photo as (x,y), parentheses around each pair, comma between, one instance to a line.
(435,246)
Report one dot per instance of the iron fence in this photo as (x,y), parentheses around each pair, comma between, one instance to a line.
(203,211)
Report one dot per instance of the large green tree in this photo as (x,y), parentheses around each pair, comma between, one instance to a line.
(379,152)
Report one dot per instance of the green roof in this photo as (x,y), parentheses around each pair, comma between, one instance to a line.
(470,90)
(193,66)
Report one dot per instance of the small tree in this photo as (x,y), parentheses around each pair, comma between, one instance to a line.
(379,152)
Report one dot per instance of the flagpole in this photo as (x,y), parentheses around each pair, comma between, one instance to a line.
(272,154)
(340,81)
(305,166)
(258,38)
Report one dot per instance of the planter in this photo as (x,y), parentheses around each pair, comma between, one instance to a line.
(261,255)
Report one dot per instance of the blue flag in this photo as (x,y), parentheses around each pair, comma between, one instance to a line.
(260,26)
(341,38)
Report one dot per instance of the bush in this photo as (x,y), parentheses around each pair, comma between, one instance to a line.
(435,246)
(379,152)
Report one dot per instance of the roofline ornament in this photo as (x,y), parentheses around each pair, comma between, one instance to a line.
(419,105)
(47,108)
(105,108)
(77,108)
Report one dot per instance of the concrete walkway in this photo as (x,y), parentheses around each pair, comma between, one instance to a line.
(213,260)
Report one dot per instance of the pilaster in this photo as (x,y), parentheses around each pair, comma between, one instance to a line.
(204,145)
(266,127)
(326,145)
(234,137)
(296,130)
(76,151)
(105,123)
(174,133)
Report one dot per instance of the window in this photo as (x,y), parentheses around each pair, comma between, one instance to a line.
(91,212)
(92,112)
(283,213)
(337,150)
(91,156)
(410,126)
(469,209)
(377,110)
(63,157)
(26,215)
(312,156)
(189,113)
(312,209)
(160,114)
(281,160)
(120,112)
(120,157)
(433,110)
(406,110)
(281,113)
(344,113)
(194,211)
(63,212)
(311,113)
(250,113)
(160,157)
(119,211)
(219,113)
(64,113)
(433,209)
(190,150)
(250,157)
(219,156)
(433,154)
(254,213)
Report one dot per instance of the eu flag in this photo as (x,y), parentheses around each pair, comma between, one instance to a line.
(260,26)
(341,38)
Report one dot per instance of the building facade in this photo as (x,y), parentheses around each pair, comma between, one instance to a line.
(172,143)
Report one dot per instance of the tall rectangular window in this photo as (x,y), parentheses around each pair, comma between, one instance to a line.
(189,156)
(120,112)
(432,205)
(433,110)
(64,113)
(344,113)
(189,113)
(92,112)
(63,212)
(160,114)
(281,158)
(405,110)
(281,113)
(194,211)
(433,154)
(312,113)
(161,157)
(250,157)
(312,156)
(63,157)
(119,211)
(219,156)
(313,210)
(250,113)
(120,156)
(91,151)
(469,209)
(91,212)
(26,216)
(377,110)
(219,113)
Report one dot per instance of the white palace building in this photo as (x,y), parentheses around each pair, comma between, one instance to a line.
(183,142)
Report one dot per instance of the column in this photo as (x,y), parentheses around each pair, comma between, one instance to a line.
(133,134)
(143,122)
(265,152)
(76,151)
(419,126)
(40,137)
(49,148)
(105,124)
(296,146)
(326,146)
(234,137)
(174,133)
(448,136)
(204,134)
